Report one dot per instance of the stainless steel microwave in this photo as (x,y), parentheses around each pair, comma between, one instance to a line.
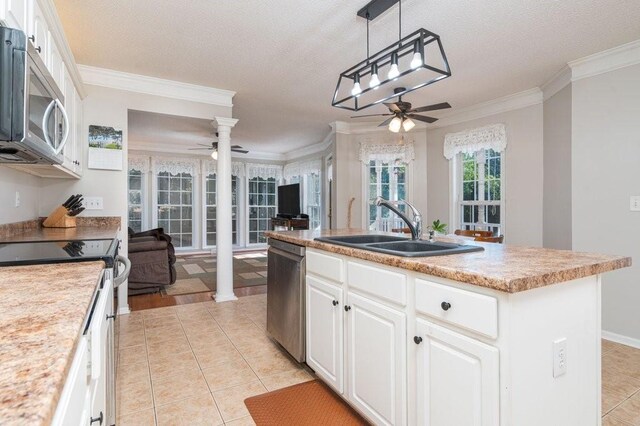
(34,126)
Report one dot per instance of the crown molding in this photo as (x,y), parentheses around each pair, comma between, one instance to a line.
(310,149)
(559,81)
(606,61)
(155,86)
(340,127)
(57,32)
(225,121)
(496,106)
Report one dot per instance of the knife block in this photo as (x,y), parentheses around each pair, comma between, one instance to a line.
(64,222)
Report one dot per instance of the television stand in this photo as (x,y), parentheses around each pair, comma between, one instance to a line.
(289,224)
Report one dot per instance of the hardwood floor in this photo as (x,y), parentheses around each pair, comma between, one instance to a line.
(158,300)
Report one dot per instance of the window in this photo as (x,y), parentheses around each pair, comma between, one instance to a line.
(389,181)
(135,200)
(175,207)
(311,197)
(480,193)
(262,207)
(210,200)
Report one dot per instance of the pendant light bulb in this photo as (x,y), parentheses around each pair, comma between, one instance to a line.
(394,72)
(214,155)
(375,81)
(417,60)
(356,86)
(408,124)
(394,125)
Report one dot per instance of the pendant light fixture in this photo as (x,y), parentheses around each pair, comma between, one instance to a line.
(398,62)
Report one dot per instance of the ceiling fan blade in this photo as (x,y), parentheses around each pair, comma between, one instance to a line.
(199,149)
(207,145)
(434,107)
(370,115)
(236,146)
(422,118)
(392,106)
(386,122)
(242,151)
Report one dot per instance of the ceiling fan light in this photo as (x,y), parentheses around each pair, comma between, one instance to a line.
(394,72)
(356,86)
(394,125)
(408,124)
(214,155)
(375,81)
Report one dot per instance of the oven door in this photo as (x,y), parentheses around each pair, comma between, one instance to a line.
(47,124)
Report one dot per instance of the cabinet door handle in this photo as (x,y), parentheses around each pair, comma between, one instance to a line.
(39,49)
(335,303)
(445,306)
(97,419)
(32,38)
(111,316)
(347,308)
(417,339)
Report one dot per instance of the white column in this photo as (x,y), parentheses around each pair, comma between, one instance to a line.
(224,235)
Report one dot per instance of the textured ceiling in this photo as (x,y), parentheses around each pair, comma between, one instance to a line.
(282,57)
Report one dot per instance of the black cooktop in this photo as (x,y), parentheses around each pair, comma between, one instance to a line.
(43,252)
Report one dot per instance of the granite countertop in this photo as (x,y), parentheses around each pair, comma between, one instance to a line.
(500,267)
(42,310)
(89,228)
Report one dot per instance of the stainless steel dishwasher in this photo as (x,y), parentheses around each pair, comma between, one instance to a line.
(286,296)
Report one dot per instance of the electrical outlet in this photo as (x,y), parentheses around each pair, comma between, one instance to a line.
(635,203)
(559,357)
(17,198)
(93,203)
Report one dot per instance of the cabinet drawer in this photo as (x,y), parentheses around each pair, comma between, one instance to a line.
(325,266)
(466,309)
(387,285)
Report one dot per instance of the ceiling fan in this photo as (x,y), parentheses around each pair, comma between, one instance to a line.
(401,114)
(213,147)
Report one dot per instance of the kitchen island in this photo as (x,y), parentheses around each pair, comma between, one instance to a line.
(506,336)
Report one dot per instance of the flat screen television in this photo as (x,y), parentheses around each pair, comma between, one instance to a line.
(289,199)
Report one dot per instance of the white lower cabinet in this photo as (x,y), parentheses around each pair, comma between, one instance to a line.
(325,331)
(376,360)
(457,378)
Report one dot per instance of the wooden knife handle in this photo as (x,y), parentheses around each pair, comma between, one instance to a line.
(55,216)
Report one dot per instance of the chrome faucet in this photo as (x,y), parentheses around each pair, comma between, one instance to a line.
(414,225)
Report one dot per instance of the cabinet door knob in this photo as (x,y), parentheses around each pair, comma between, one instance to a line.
(417,339)
(445,306)
(97,419)
(335,303)
(347,308)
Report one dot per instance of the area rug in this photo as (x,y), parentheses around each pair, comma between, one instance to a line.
(309,403)
(197,273)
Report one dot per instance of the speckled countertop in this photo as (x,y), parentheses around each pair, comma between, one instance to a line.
(89,228)
(500,267)
(42,309)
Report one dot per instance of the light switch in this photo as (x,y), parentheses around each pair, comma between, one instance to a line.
(635,203)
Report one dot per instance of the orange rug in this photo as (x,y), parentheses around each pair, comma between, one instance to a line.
(310,403)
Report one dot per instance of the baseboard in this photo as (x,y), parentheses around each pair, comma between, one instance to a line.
(619,338)
(225,298)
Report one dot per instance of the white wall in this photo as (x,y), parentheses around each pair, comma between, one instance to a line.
(12,181)
(605,172)
(556,214)
(523,176)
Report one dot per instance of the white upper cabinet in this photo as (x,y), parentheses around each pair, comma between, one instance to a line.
(16,13)
(39,33)
(56,66)
(450,364)
(78,135)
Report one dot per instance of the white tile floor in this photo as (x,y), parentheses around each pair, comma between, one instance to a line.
(195,364)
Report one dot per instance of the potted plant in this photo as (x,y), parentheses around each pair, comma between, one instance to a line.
(439,227)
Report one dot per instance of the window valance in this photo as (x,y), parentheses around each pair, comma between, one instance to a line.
(469,141)
(264,171)
(387,153)
(210,166)
(175,166)
(139,163)
(300,168)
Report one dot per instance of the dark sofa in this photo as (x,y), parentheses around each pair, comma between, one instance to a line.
(152,259)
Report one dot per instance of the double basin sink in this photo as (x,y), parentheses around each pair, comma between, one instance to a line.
(399,246)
